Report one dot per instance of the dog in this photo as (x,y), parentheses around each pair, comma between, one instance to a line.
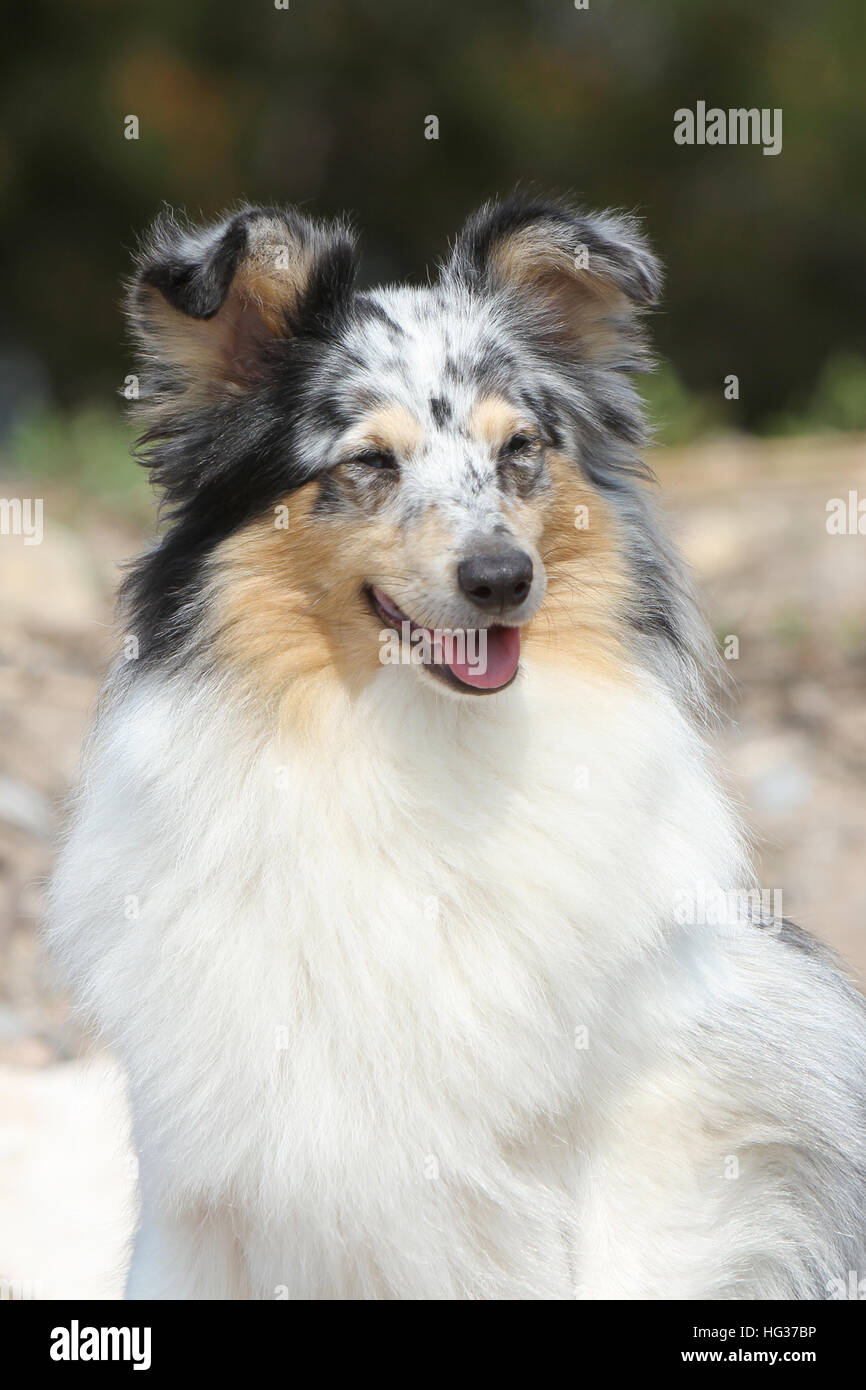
(392,935)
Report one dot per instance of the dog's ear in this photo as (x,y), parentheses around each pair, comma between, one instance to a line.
(208,305)
(580,278)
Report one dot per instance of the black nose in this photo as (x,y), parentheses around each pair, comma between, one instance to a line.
(496,579)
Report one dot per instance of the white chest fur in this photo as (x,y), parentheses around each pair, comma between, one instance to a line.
(364,979)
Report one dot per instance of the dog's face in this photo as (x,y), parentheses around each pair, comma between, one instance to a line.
(423,475)
(436,501)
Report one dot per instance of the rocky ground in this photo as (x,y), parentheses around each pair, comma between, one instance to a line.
(752,519)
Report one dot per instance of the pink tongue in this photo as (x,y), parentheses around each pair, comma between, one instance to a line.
(502,655)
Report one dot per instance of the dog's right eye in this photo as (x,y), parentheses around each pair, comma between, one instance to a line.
(518,444)
(375,458)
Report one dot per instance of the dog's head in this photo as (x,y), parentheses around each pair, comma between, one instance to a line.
(449,468)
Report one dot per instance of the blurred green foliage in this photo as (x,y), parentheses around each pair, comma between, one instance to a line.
(85,449)
(838,401)
(324,104)
(678,415)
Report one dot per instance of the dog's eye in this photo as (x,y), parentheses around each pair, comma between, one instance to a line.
(518,444)
(375,458)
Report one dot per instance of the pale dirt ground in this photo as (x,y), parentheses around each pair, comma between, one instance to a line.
(751,517)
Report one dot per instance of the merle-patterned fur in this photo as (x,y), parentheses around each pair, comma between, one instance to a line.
(227,459)
(285,851)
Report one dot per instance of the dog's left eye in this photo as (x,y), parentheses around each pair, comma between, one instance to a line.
(518,444)
(375,458)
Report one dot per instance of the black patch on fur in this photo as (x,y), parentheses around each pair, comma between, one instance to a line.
(653,610)
(440,409)
(222,468)
(224,463)
(327,299)
(371,309)
(523,480)
(649,614)
(331,499)
(544,408)
(796,937)
(198,288)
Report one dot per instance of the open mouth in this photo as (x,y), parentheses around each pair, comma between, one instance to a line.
(479,661)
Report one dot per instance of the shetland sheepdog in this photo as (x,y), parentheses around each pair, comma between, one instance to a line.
(389,871)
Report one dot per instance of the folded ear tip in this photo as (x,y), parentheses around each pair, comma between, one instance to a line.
(493,223)
(627,238)
(192,268)
(616,239)
(274,272)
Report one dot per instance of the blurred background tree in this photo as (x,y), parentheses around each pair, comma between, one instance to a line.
(324,104)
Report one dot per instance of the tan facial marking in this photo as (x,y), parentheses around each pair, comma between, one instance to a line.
(392,428)
(494,420)
(581,620)
(290,619)
(291,622)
